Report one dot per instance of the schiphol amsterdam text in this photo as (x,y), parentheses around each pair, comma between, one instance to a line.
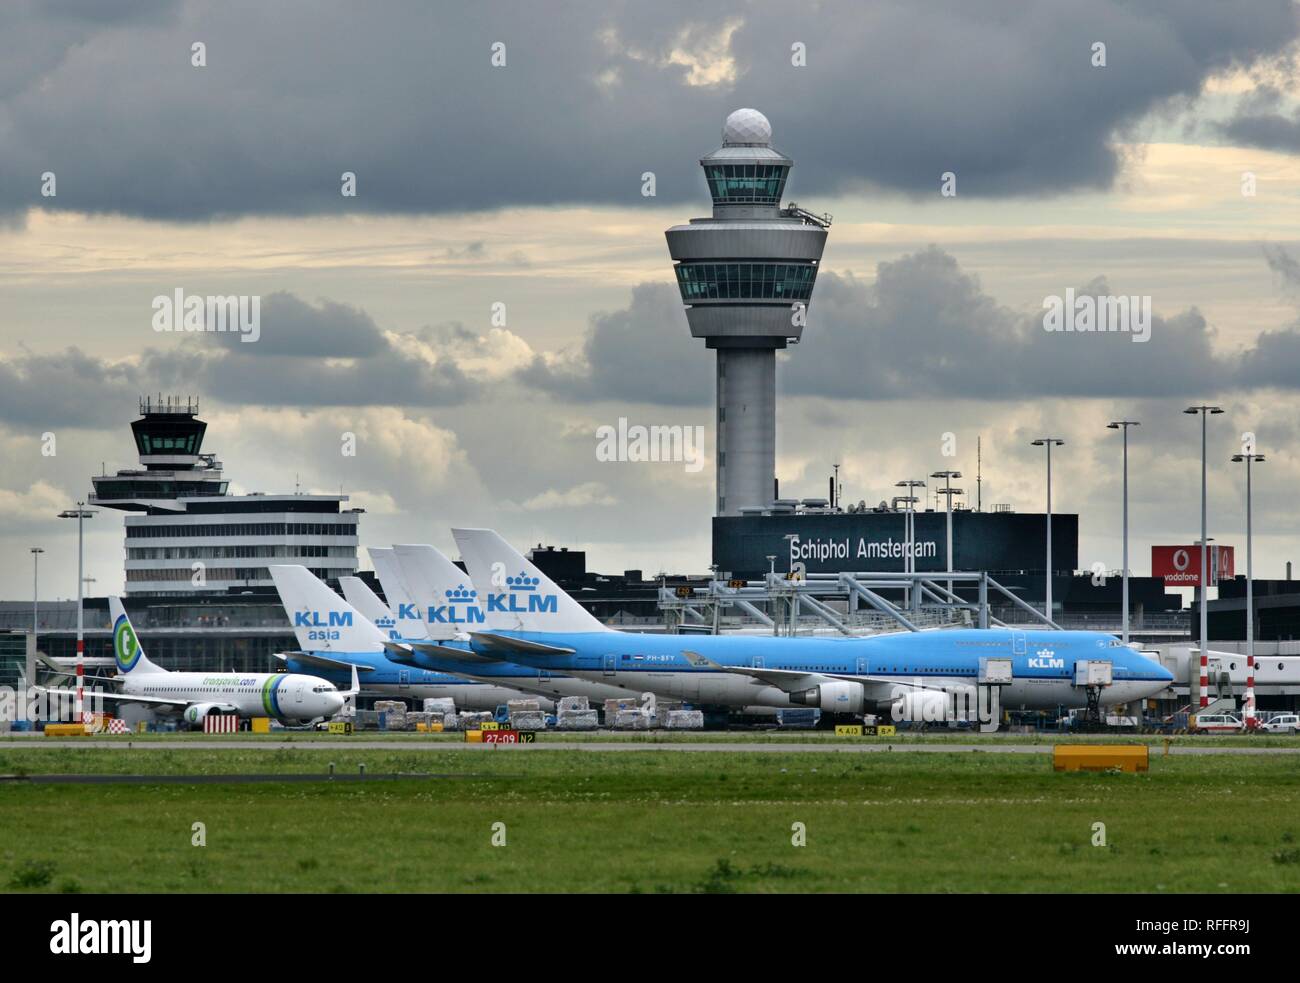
(1088,314)
(822,550)
(192,313)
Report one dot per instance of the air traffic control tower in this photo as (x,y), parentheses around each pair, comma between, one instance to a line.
(746,277)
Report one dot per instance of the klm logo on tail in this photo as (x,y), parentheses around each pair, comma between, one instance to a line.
(313,619)
(462,608)
(526,604)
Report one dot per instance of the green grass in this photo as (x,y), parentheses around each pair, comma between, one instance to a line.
(651,822)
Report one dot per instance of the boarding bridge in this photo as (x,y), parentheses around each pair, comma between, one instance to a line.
(1277,671)
(851,604)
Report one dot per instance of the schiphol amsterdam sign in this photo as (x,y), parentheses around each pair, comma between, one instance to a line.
(858,548)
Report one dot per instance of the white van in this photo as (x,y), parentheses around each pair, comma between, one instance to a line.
(1217,723)
(1286,723)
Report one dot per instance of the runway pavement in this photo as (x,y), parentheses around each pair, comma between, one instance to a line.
(850,746)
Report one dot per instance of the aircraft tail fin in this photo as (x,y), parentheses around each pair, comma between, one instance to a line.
(447,600)
(127,651)
(402,599)
(323,621)
(516,594)
(357,593)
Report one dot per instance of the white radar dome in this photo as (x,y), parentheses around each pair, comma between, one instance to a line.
(747,126)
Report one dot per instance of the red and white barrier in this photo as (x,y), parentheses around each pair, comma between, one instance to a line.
(1205,676)
(1250,692)
(221,723)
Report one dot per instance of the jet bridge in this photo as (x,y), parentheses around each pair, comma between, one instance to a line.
(840,603)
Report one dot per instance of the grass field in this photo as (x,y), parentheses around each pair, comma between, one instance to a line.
(650,822)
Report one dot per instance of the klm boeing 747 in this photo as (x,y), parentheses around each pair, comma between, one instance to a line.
(413,573)
(912,675)
(336,639)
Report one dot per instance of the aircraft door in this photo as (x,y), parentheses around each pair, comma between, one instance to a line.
(403,678)
(758,662)
(1017,642)
(609,665)
(301,687)
(862,665)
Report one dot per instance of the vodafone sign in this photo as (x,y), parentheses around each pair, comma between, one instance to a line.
(1180,566)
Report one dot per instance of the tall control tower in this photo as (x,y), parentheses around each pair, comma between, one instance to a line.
(746,277)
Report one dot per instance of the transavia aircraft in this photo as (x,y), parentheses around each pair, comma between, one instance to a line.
(285,696)
(337,639)
(920,675)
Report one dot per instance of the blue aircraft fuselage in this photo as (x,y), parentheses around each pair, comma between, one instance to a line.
(1043,663)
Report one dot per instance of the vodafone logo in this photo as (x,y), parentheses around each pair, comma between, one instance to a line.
(1180,566)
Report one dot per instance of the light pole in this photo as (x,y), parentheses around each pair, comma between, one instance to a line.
(1049,443)
(1205,412)
(1123,425)
(36,552)
(80,513)
(948,491)
(1249,459)
(835,488)
(909,535)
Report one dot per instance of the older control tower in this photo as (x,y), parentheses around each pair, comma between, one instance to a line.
(746,277)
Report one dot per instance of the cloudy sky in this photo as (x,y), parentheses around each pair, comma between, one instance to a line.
(1169,172)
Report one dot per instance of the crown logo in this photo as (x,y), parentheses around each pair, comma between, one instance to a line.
(385,622)
(523,582)
(461,593)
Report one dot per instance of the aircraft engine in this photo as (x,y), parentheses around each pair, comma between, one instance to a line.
(834,697)
(195,713)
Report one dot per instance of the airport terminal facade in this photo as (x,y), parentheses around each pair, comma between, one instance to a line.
(829,541)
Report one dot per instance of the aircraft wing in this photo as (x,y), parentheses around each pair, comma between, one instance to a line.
(450,652)
(92,695)
(321,662)
(507,644)
(878,688)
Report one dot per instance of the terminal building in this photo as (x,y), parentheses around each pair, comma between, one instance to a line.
(184,533)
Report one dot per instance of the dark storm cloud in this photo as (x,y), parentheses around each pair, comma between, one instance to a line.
(924,329)
(593,94)
(1284,265)
(1261,120)
(68,388)
(291,326)
(324,355)
(389,378)
(642,354)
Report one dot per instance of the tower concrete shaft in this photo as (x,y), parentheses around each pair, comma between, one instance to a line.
(746,276)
